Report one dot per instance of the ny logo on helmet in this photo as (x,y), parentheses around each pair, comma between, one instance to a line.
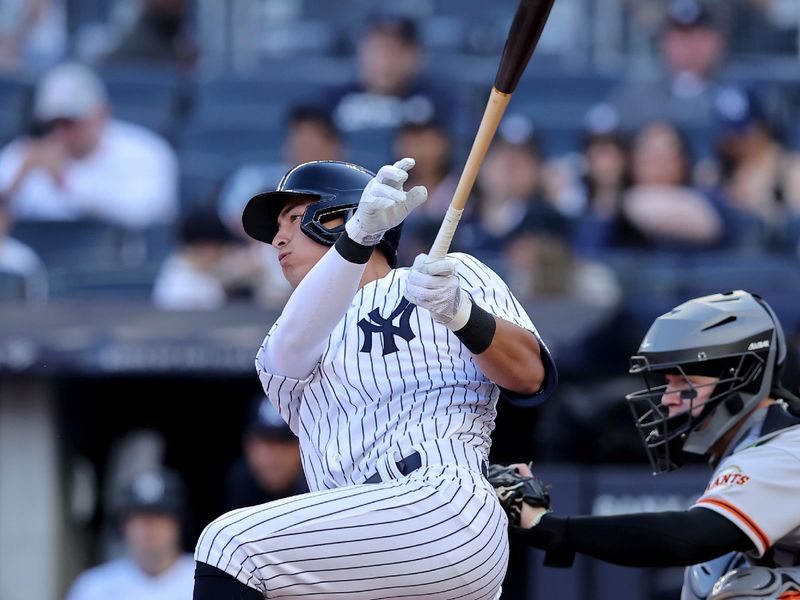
(377,324)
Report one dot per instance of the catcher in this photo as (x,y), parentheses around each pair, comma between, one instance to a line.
(712,367)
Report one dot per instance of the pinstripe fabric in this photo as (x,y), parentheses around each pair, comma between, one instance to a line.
(356,406)
(436,533)
(391,381)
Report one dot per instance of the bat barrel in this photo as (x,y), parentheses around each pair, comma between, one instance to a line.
(524,34)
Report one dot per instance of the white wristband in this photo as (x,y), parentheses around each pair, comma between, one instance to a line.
(462,313)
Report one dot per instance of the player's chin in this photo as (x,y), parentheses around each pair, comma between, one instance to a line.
(293,275)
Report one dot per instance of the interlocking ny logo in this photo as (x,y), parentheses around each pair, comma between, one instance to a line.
(377,324)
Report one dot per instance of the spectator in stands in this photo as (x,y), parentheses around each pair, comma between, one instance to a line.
(33,34)
(592,196)
(601,189)
(154,567)
(662,210)
(756,174)
(692,51)
(159,35)
(194,277)
(19,259)
(87,165)
(429,143)
(310,134)
(270,467)
(389,89)
(509,195)
(513,226)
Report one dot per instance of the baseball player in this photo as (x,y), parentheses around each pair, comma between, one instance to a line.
(719,360)
(389,376)
(152,511)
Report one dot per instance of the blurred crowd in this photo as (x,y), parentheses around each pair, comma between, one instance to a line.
(128,155)
(127,166)
(150,513)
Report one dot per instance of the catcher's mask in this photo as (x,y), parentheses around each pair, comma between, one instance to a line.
(334,189)
(732,337)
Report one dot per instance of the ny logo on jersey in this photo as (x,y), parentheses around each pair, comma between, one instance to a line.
(377,324)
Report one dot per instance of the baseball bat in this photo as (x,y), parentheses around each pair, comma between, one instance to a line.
(523,35)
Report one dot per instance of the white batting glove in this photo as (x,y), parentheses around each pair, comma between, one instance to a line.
(384,204)
(434,286)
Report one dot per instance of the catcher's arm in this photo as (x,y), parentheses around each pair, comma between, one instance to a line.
(531,515)
(684,537)
(521,494)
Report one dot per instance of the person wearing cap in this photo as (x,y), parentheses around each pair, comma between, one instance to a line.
(692,52)
(309,134)
(270,468)
(151,509)
(389,89)
(195,276)
(87,165)
(756,174)
(430,142)
(511,198)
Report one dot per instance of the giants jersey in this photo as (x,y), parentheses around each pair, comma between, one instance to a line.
(391,381)
(757,487)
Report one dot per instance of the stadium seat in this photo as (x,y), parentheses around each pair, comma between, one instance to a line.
(14,115)
(132,284)
(12,287)
(153,97)
(65,243)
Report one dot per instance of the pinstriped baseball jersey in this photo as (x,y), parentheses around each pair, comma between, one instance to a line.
(390,382)
(391,378)
(757,489)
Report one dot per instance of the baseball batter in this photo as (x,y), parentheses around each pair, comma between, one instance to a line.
(390,378)
(720,360)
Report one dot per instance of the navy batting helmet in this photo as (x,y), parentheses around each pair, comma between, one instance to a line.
(334,187)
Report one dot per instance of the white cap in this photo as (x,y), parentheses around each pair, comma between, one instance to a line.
(68,91)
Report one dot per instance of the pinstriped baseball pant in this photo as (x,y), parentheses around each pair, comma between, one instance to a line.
(438,533)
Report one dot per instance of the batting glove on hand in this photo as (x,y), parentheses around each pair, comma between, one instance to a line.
(434,286)
(384,204)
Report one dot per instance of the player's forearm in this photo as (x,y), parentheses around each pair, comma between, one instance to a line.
(665,539)
(312,312)
(513,359)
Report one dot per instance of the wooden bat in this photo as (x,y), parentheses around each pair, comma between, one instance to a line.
(524,34)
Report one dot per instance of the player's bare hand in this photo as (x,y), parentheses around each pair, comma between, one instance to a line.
(531,515)
(384,204)
(523,469)
(434,286)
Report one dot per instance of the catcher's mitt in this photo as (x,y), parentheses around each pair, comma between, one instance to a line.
(513,489)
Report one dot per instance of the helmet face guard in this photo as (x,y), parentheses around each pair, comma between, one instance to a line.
(664,436)
(333,190)
(323,211)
